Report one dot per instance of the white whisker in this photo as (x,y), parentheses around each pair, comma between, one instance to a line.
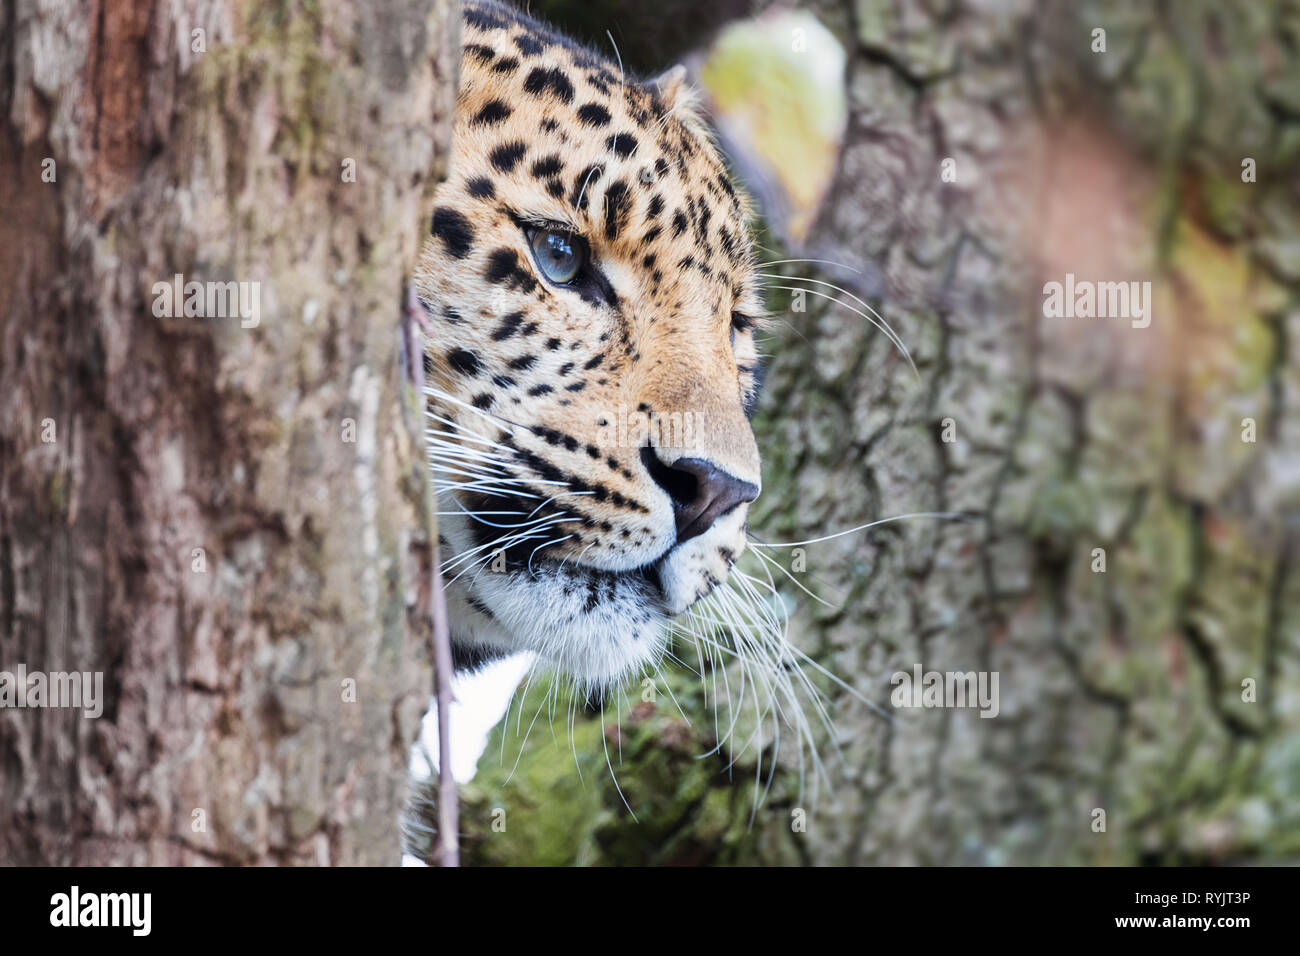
(880,324)
(863,527)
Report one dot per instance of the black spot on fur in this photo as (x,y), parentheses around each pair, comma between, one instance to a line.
(622,143)
(507,156)
(454,230)
(758,373)
(480,52)
(541,79)
(523,363)
(529,46)
(480,187)
(501,265)
(593,114)
(582,184)
(547,167)
(483,19)
(505,65)
(702,224)
(465,362)
(508,327)
(728,242)
(492,113)
(617,202)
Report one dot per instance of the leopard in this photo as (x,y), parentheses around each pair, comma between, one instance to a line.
(589,312)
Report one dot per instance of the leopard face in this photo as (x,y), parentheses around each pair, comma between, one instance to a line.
(590,306)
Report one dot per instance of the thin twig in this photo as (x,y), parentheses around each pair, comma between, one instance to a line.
(447,850)
(448,810)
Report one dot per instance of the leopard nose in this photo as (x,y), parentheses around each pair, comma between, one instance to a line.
(701,492)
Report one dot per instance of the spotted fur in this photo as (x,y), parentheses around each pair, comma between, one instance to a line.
(557,522)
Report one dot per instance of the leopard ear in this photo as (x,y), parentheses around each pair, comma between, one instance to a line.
(670,85)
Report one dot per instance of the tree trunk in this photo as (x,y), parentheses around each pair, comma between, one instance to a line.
(1132,562)
(226,517)
(1122,690)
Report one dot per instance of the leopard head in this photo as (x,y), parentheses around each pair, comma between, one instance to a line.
(590,305)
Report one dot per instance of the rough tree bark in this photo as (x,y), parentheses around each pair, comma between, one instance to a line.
(1120,690)
(229,522)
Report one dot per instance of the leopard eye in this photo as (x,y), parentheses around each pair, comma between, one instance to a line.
(560,255)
